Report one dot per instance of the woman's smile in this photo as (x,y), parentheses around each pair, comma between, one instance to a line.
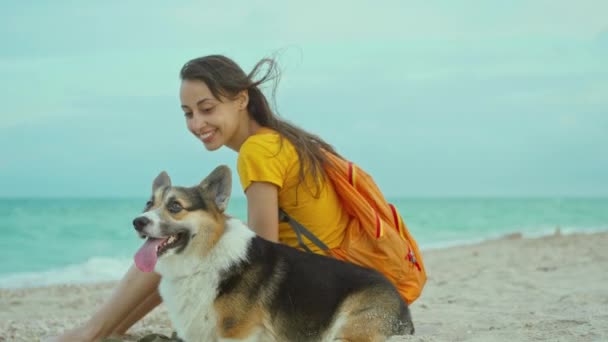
(208,136)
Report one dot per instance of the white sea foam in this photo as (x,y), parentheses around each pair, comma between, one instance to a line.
(96,269)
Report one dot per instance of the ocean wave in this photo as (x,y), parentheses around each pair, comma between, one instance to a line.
(96,269)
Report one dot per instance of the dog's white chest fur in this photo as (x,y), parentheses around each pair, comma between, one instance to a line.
(189,287)
(189,302)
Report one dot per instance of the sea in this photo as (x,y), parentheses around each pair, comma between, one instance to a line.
(76,240)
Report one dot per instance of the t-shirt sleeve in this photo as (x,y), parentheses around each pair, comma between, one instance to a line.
(260,160)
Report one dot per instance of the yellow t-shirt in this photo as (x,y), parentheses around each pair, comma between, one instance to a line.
(264,158)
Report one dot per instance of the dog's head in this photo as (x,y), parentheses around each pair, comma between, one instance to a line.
(182,222)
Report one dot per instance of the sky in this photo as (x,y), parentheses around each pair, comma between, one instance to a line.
(433,98)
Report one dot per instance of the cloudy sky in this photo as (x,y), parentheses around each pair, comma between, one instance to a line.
(433,98)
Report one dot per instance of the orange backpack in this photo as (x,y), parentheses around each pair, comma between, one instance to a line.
(376,236)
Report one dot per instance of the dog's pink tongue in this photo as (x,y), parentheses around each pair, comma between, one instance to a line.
(145,258)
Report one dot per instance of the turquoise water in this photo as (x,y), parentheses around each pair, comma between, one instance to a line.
(48,241)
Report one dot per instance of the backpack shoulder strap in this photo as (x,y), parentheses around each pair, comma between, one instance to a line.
(301,230)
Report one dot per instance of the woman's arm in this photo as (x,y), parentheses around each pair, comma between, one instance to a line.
(263,209)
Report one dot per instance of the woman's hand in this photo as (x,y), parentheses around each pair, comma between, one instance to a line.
(263,209)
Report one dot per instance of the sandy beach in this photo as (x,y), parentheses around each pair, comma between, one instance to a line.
(553,288)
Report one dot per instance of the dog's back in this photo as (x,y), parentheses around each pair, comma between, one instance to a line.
(320,298)
(275,292)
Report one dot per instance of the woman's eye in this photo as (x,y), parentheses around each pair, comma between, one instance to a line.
(188,115)
(175,207)
(208,110)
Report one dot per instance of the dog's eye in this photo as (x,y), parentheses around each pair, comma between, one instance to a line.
(174,207)
(148,205)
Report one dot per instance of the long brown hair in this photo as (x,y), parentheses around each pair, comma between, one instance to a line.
(226,78)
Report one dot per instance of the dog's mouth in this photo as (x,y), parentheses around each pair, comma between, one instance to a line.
(147,256)
(173,241)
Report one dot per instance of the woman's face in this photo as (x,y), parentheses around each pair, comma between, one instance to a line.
(212,121)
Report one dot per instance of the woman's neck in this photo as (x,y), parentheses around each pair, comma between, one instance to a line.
(244,131)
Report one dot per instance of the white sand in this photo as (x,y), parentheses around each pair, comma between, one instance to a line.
(547,289)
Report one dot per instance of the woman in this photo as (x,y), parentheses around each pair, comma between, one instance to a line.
(279,165)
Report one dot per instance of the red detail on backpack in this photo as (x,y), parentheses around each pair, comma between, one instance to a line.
(395,216)
(351,178)
(378,225)
(412,258)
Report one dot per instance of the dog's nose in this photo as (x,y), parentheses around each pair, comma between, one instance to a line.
(140,223)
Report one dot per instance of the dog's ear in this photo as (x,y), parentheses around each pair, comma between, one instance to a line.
(162,180)
(218,186)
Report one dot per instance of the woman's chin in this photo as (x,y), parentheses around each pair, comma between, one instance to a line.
(212,146)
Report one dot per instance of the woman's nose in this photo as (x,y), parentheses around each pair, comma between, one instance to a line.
(197,123)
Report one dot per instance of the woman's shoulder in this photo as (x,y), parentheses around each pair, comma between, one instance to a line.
(266,142)
(262,136)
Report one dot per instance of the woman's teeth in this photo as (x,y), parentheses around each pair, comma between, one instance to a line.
(206,135)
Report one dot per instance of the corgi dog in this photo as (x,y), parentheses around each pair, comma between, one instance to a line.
(222,282)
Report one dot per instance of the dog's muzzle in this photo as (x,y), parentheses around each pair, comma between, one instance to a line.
(140,223)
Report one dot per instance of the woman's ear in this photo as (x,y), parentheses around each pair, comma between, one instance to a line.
(243,99)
